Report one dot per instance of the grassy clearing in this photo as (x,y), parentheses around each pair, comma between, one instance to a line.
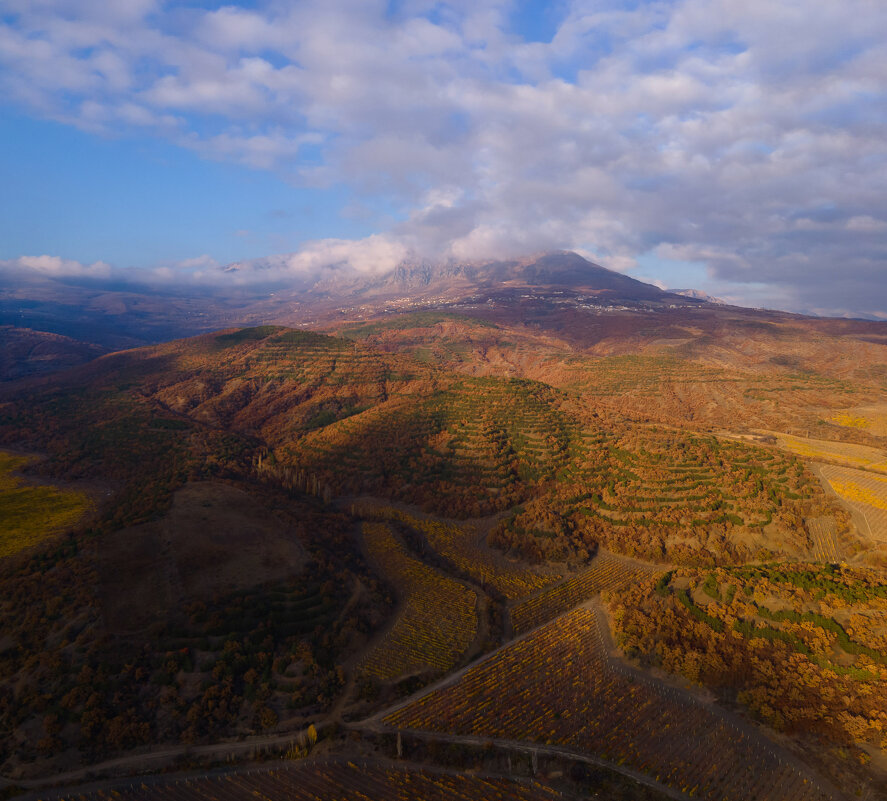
(29,513)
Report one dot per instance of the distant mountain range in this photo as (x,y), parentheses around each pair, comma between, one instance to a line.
(115,314)
(51,323)
(453,278)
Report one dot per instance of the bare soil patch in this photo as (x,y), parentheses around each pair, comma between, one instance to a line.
(216,539)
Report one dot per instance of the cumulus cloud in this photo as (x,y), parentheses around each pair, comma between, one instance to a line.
(375,254)
(747,137)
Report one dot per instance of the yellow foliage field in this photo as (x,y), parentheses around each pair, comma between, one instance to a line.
(845,453)
(31,513)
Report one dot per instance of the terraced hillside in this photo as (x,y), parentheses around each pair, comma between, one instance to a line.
(699,367)
(470,449)
(540,466)
(801,645)
(665,494)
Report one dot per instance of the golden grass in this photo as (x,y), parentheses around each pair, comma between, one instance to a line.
(849,420)
(31,513)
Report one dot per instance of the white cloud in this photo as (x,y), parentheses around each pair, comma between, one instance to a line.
(746,136)
(374,254)
(56,267)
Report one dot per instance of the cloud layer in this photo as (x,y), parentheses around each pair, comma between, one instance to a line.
(748,137)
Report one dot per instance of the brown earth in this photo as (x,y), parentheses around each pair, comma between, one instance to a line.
(216,539)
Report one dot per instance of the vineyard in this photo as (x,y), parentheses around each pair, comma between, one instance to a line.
(558,686)
(458,544)
(607,572)
(331,781)
(866,493)
(421,638)
(824,533)
(843,453)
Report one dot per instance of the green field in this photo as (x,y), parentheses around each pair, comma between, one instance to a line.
(29,513)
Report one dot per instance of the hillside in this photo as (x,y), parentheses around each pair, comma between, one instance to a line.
(27,353)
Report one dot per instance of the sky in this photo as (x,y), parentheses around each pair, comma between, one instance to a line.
(735,147)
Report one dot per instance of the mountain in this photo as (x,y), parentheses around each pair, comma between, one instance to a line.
(117,314)
(450,279)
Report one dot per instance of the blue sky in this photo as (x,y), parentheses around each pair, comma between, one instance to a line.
(737,148)
(139,201)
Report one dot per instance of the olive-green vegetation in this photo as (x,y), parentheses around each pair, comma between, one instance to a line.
(801,645)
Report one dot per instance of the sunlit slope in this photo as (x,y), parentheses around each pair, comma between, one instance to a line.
(802,645)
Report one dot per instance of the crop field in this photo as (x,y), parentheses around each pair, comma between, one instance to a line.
(332,781)
(845,453)
(557,686)
(421,638)
(824,532)
(458,544)
(864,492)
(607,572)
(30,513)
